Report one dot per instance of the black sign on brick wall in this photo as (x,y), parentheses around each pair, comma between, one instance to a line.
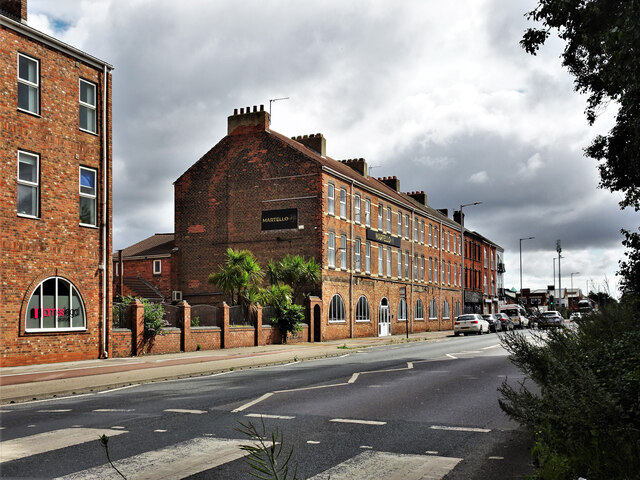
(383,238)
(280,219)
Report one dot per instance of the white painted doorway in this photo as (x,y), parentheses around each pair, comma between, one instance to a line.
(384,318)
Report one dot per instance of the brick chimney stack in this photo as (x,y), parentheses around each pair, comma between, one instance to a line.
(419,197)
(15,9)
(247,121)
(458,218)
(392,182)
(316,142)
(444,211)
(357,164)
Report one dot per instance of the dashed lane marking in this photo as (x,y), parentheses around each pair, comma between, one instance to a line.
(491,346)
(114,410)
(59,410)
(181,410)
(264,415)
(119,388)
(362,422)
(48,441)
(460,429)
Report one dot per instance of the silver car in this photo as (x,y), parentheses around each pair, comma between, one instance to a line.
(470,323)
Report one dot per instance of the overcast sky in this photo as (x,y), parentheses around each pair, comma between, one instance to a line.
(439,94)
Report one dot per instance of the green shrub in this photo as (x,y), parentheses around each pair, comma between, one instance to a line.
(154,322)
(585,404)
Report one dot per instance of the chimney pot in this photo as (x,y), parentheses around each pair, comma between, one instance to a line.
(255,108)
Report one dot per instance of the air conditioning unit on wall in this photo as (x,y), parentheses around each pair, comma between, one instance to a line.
(176,296)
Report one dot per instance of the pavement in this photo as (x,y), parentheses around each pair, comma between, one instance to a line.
(39,382)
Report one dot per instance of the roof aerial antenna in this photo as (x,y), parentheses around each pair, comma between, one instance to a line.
(274,100)
(371,167)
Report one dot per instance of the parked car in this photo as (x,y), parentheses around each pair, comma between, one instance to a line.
(505,322)
(551,319)
(494,324)
(470,323)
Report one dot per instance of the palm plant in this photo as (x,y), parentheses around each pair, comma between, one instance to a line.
(239,274)
(300,274)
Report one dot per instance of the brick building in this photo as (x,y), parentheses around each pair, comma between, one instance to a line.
(390,263)
(55,196)
(145,269)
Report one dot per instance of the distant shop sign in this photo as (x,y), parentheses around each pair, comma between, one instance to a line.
(280,219)
(383,238)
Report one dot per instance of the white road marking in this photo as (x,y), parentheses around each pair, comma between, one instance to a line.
(181,410)
(313,442)
(117,427)
(460,429)
(119,388)
(48,441)
(366,447)
(362,422)
(492,346)
(390,466)
(60,410)
(252,403)
(431,452)
(262,415)
(496,458)
(159,431)
(451,356)
(31,426)
(353,378)
(111,410)
(172,462)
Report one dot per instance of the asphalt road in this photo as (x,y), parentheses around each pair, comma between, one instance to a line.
(410,411)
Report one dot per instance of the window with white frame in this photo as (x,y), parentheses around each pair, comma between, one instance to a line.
(484,251)
(367,257)
(435,270)
(407,226)
(332,250)
(422,268)
(367,212)
(402,310)
(55,305)
(388,261)
(415,267)
(448,241)
(399,263)
(380,217)
(88,197)
(343,252)
(331,199)
(455,274)
(343,203)
(431,269)
(485,286)
(357,254)
(415,230)
(362,310)
(28,184)
(449,272)
(422,231)
(435,237)
(430,235)
(88,104)
(28,84)
(388,220)
(445,309)
(336,309)
(157,267)
(433,309)
(406,265)
(399,223)
(356,208)
(442,239)
(419,313)
(380,260)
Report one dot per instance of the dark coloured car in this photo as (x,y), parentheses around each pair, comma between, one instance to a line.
(551,319)
(505,322)
(494,324)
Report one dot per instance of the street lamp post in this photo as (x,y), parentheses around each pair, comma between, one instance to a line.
(464,274)
(528,238)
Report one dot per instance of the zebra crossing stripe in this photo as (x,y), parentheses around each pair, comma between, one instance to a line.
(371,465)
(172,462)
(48,441)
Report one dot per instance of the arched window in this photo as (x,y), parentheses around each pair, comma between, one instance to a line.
(56,305)
(419,310)
(402,310)
(362,310)
(433,309)
(336,309)
(445,309)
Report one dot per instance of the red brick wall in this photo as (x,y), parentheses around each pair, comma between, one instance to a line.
(207,337)
(54,244)
(121,343)
(144,268)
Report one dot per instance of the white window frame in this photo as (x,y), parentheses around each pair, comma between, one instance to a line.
(336,310)
(415,267)
(363,312)
(399,223)
(380,261)
(343,252)
(87,196)
(343,203)
(407,264)
(367,212)
(388,220)
(331,199)
(89,106)
(356,208)
(380,217)
(157,267)
(56,310)
(402,310)
(433,310)
(430,235)
(430,269)
(407,227)
(331,247)
(422,232)
(29,84)
(422,268)
(35,186)
(388,261)
(419,313)
(445,310)
(367,257)
(399,263)
(357,255)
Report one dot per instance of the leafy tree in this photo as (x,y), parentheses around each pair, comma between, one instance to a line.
(602,53)
(294,270)
(239,277)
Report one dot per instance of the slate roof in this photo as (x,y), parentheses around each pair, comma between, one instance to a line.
(155,245)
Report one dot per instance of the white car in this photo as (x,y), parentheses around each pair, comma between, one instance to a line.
(470,323)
